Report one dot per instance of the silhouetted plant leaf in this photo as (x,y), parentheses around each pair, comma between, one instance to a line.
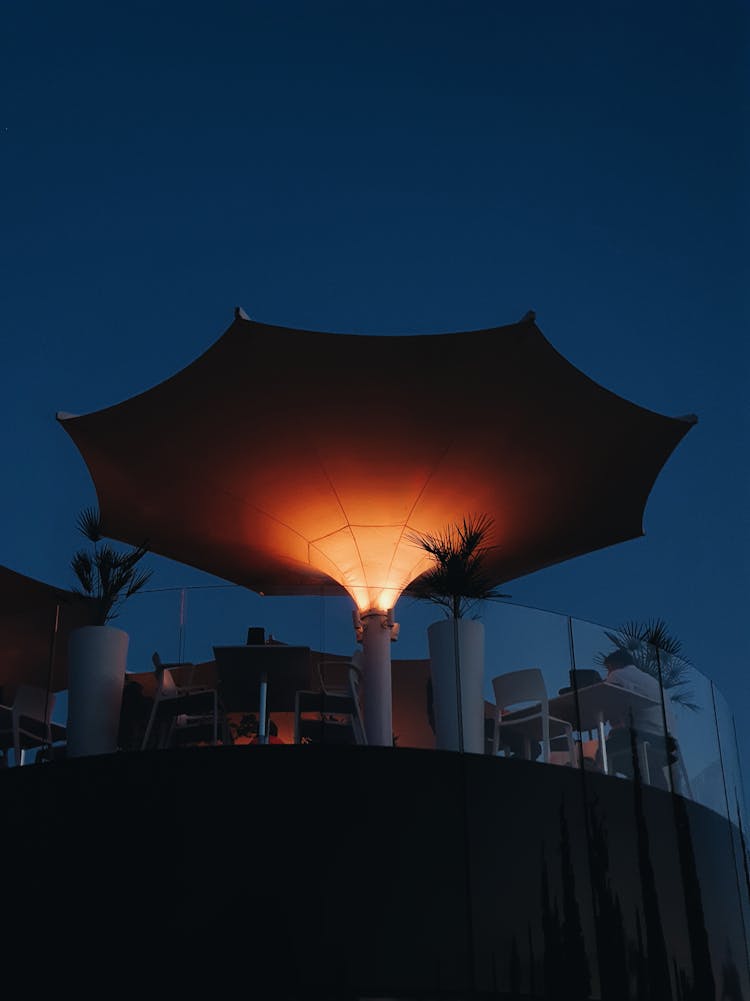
(90,524)
(105,575)
(655,651)
(459,578)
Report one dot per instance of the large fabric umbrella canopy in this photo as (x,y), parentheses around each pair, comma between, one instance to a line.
(35,622)
(299,462)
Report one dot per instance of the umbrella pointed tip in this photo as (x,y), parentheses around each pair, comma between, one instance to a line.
(240,314)
(63,415)
(528,317)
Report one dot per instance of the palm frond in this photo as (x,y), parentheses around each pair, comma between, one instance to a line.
(459,578)
(657,652)
(139,580)
(105,575)
(654,632)
(106,565)
(83,568)
(89,523)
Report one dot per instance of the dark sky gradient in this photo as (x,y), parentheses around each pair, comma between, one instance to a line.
(388,168)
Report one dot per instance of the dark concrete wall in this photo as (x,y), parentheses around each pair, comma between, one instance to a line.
(326,872)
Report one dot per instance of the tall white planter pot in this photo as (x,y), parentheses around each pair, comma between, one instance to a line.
(97,658)
(447,639)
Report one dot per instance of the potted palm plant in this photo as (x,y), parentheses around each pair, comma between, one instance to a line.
(655,651)
(97,653)
(457,582)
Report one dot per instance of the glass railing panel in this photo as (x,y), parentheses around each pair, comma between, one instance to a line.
(631,832)
(623,706)
(411,681)
(735,796)
(663,689)
(155,623)
(620,706)
(185,623)
(227,618)
(589,645)
(696,768)
(527,648)
(152,621)
(730,760)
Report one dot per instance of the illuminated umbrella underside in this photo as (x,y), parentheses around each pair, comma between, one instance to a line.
(298,462)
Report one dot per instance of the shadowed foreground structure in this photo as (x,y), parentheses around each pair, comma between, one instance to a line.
(36,620)
(259,870)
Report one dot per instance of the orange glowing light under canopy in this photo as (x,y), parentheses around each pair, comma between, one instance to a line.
(298,462)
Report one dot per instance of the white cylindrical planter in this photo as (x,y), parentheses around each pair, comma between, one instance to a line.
(97,658)
(376,679)
(441,638)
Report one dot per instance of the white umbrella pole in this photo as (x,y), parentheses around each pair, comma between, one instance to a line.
(377,633)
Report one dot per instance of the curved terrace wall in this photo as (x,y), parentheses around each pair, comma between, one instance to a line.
(342,873)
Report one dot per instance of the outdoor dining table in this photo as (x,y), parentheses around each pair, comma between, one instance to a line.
(265,674)
(590,707)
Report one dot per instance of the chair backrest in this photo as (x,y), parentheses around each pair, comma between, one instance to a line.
(516,687)
(33,703)
(166,686)
(355,681)
(343,678)
(354,678)
(333,676)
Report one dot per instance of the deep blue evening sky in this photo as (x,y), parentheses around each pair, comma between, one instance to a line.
(386,168)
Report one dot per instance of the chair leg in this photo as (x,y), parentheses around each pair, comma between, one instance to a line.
(545,739)
(149,725)
(687,791)
(644,763)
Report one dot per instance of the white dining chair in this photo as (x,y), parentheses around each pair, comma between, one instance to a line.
(26,723)
(332,714)
(522,706)
(182,705)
